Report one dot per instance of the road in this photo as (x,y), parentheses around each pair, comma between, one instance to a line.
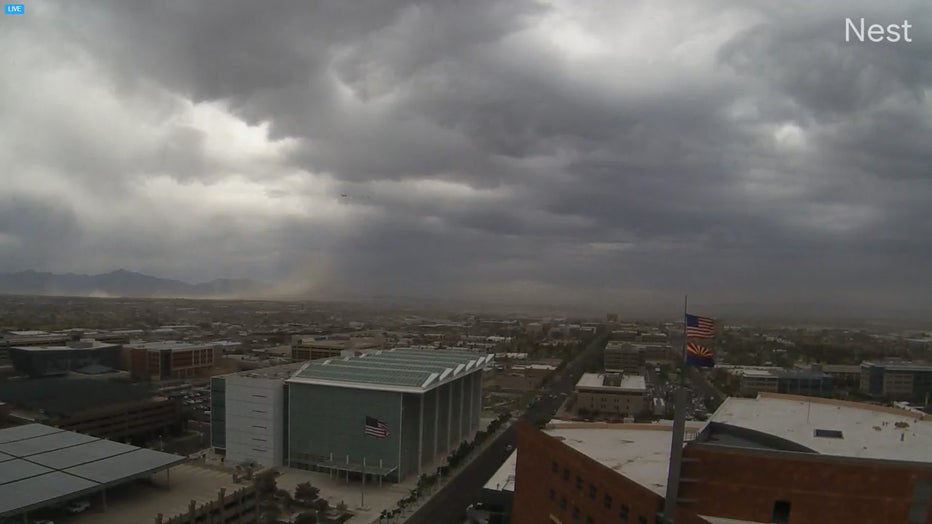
(448,506)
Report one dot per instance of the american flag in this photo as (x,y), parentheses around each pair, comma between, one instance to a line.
(376,428)
(700,327)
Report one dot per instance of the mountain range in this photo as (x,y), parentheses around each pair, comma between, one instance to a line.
(122,283)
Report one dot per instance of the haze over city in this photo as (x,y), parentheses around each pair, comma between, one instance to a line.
(562,152)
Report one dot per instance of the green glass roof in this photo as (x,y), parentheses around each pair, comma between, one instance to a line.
(396,369)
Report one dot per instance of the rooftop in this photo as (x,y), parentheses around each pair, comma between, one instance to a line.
(631,383)
(283,371)
(41,465)
(85,344)
(833,427)
(899,365)
(169,345)
(504,478)
(404,370)
(640,452)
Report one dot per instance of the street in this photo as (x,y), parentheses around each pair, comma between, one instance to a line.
(448,506)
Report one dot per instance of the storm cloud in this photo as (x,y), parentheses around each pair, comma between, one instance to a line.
(582,152)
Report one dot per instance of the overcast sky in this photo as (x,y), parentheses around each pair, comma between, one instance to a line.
(614,152)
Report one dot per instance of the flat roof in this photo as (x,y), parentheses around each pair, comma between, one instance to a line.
(640,452)
(899,365)
(630,383)
(169,345)
(94,344)
(41,465)
(403,369)
(866,431)
(504,478)
(282,371)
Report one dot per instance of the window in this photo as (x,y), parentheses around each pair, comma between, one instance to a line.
(623,513)
(554,467)
(592,491)
(566,474)
(608,502)
(590,520)
(781,512)
(828,433)
(579,482)
(575,513)
(563,503)
(642,519)
(553,494)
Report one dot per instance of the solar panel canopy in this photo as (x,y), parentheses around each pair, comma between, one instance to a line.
(404,369)
(41,466)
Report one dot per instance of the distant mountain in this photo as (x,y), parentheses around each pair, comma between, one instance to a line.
(122,283)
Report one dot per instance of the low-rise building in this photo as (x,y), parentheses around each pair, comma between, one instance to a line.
(611,393)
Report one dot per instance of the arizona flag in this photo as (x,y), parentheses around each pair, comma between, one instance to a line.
(699,356)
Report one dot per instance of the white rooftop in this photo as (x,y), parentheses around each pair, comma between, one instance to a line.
(867,431)
(633,383)
(640,452)
(504,478)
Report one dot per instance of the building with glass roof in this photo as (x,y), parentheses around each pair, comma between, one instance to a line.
(427,400)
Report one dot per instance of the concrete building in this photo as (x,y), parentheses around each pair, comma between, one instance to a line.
(247,416)
(170,360)
(774,458)
(429,401)
(897,379)
(611,393)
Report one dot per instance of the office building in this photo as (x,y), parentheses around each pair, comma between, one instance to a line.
(429,401)
(611,393)
(170,360)
(769,379)
(774,458)
(247,415)
(622,357)
(75,354)
(897,379)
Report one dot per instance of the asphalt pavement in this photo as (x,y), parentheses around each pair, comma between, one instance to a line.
(448,506)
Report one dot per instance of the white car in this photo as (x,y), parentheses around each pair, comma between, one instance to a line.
(78,506)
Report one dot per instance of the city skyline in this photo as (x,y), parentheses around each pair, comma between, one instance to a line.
(523,152)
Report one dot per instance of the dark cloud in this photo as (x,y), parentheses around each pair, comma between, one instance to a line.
(567,151)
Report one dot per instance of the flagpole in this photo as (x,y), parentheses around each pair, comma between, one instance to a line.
(679,428)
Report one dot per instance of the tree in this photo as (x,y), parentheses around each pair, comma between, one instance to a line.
(321,505)
(266,483)
(308,517)
(305,492)
(342,507)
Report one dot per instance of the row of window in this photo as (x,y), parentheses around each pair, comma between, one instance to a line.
(607,500)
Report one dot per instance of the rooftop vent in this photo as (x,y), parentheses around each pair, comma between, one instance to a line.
(829,433)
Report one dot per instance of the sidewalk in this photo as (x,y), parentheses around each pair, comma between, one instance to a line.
(412,509)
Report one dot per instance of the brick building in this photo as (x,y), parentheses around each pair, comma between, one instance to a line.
(775,458)
(170,360)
